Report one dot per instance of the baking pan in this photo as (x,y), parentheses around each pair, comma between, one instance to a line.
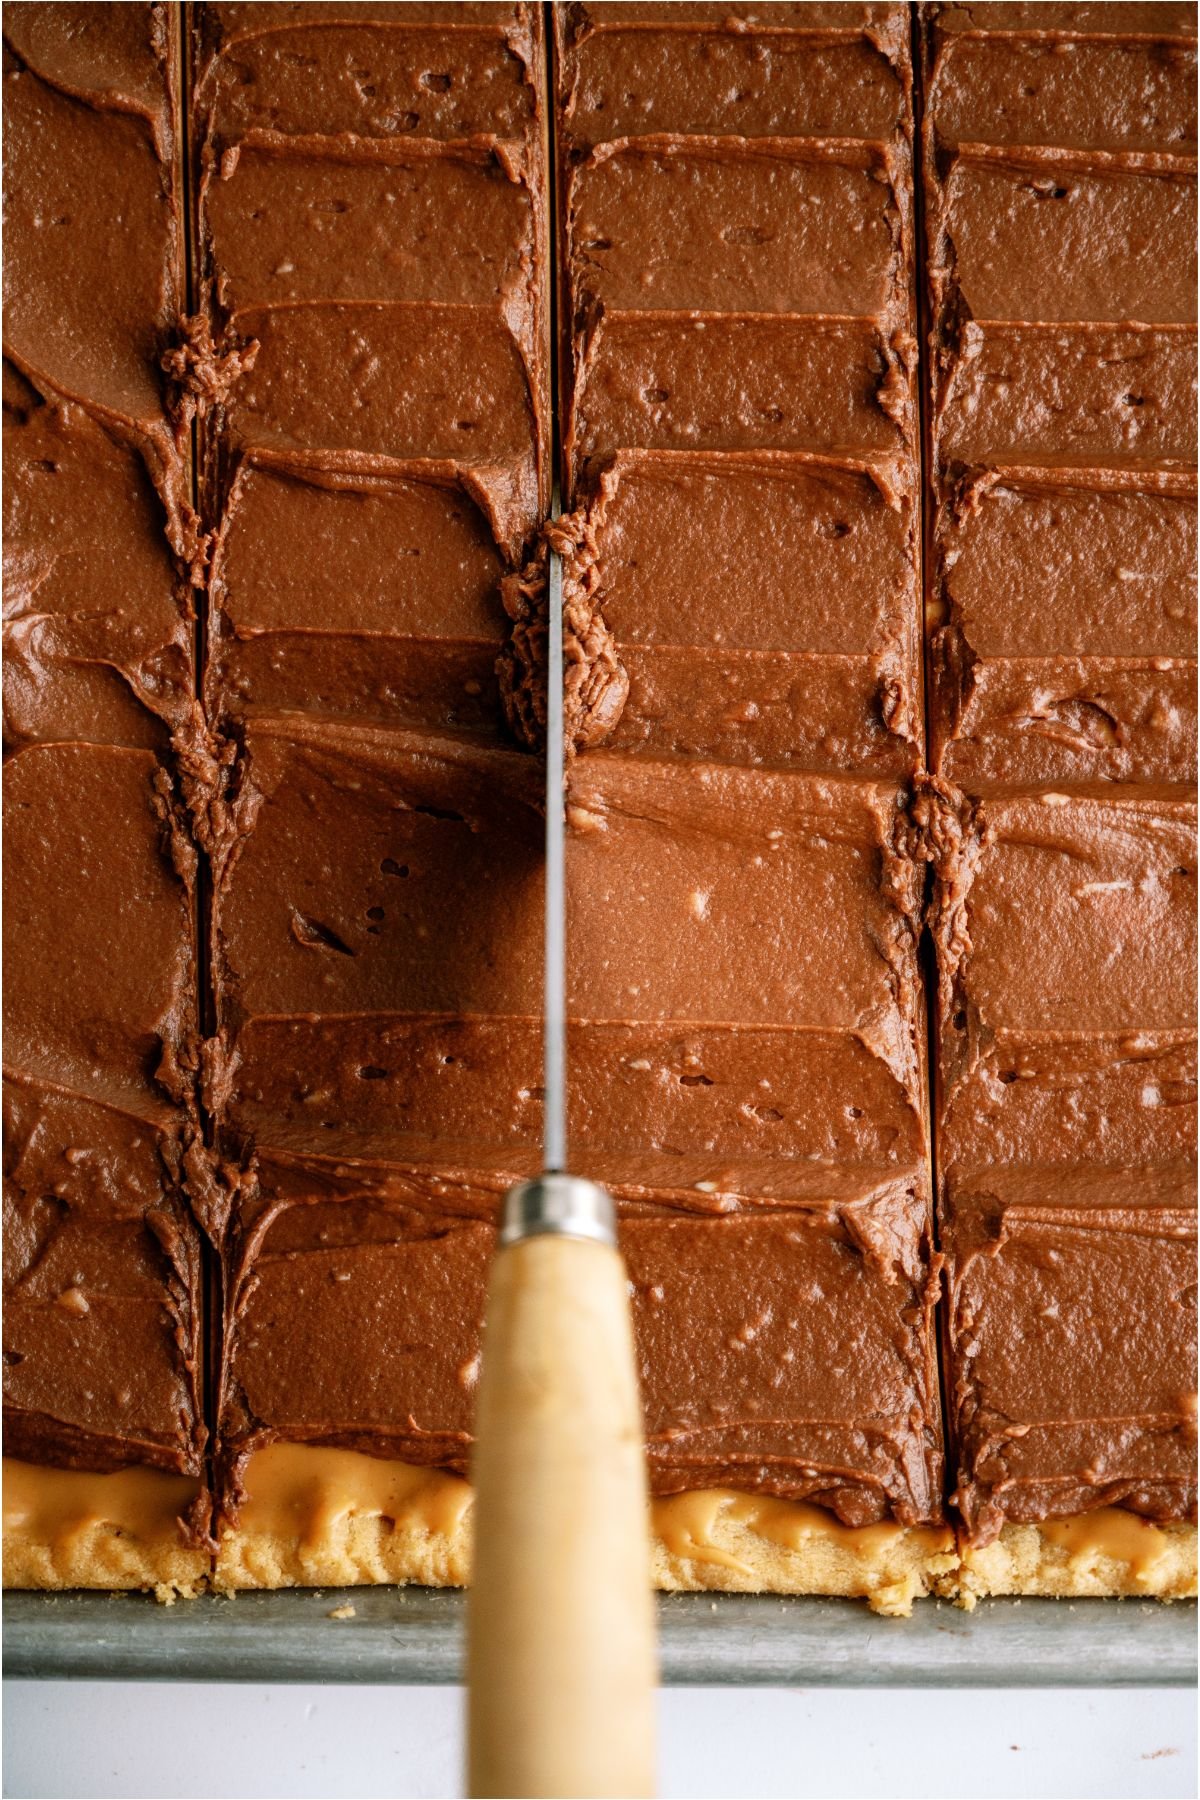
(414,1635)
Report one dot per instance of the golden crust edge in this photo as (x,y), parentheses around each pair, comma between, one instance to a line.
(915,1564)
(364,1551)
(1024,1560)
(367,1551)
(107,1557)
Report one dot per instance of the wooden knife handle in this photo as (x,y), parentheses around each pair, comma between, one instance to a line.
(561,1650)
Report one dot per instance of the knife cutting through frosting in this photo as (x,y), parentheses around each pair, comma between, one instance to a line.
(561,1657)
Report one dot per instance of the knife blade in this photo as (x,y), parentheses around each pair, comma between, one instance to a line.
(554,1052)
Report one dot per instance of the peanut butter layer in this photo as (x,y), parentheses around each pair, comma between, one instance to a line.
(69,1528)
(717,1538)
(1098,1554)
(313,1515)
(102,1259)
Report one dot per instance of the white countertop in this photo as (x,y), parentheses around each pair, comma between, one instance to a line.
(127,1740)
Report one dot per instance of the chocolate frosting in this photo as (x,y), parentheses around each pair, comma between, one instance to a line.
(1072,1306)
(1059,146)
(1058,422)
(740,443)
(386,1059)
(372,201)
(334,424)
(717,1297)
(753,1095)
(740,377)
(355,424)
(1066,938)
(104,742)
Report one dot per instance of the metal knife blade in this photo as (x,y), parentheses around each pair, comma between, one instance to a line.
(554,1128)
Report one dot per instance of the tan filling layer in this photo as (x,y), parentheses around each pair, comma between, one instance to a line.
(752,1543)
(332,1517)
(315,1517)
(70,1528)
(1102,1553)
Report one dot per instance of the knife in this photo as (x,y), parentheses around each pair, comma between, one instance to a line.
(561,1657)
